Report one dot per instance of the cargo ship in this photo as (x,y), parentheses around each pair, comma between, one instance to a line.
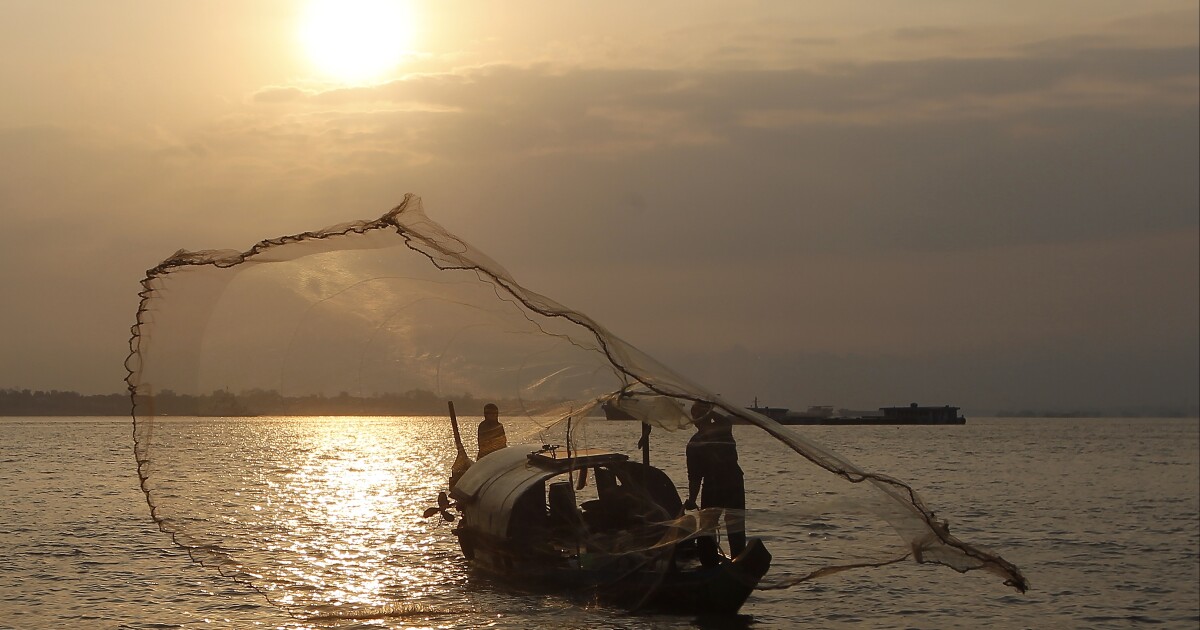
(912,414)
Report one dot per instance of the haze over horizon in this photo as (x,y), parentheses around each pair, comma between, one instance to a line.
(993,206)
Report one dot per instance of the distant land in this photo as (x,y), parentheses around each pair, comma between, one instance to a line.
(24,402)
(254,402)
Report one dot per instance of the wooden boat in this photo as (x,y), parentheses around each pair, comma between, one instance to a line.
(521,520)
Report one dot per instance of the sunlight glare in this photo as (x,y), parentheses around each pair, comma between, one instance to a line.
(356,40)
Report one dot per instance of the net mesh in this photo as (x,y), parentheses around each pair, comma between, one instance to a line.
(372,326)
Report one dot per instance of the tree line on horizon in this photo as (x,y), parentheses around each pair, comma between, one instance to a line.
(254,402)
(417,402)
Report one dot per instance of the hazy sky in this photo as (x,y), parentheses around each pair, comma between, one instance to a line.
(987,204)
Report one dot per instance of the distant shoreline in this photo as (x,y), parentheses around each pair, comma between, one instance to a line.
(56,403)
(223,403)
(125,415)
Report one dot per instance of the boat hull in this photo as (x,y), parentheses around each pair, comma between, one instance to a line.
(654,584)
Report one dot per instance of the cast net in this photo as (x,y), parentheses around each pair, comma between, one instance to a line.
(291,426)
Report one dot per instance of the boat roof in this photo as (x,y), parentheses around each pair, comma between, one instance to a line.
(492,485)
(562,460)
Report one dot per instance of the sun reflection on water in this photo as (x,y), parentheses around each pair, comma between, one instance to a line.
(325,516)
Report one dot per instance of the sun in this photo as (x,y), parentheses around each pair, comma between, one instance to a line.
(355,41)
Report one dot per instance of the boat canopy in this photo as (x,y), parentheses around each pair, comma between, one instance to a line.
(492,485)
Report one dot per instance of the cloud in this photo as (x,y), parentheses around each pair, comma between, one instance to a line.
(889,90)
(582,105)
(827,206)
(940,153)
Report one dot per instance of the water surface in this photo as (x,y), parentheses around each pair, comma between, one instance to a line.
(1102,515)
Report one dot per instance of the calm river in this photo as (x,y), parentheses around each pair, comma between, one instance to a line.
(1102,515)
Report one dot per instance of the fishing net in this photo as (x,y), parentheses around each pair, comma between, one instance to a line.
(291,424)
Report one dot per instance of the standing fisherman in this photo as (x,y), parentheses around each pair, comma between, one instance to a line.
(712,464)
(491,432)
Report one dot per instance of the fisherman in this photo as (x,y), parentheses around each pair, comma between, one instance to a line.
(714,474)
(491,432)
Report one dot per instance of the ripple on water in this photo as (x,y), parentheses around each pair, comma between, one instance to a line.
(1109,543)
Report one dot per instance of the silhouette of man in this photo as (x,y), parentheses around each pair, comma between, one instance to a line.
(714,473)
(491,432)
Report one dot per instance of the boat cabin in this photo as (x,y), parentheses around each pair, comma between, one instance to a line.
(549,502)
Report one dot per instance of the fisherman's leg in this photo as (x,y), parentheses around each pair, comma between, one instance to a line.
(734,498)
(735,524)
